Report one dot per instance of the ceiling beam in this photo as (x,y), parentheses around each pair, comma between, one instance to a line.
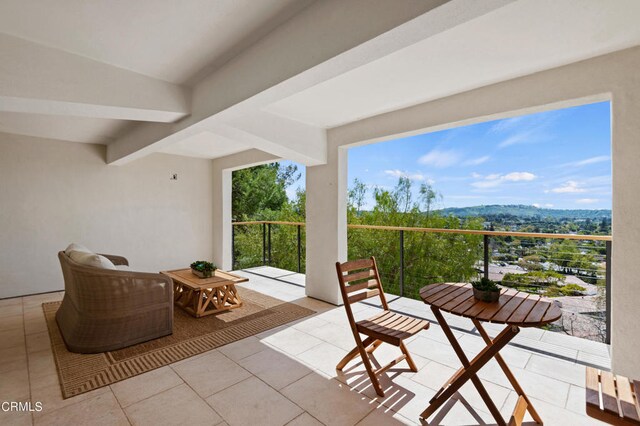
(323,41)
(315,35)
(42,80)
(284,137)
(310,152)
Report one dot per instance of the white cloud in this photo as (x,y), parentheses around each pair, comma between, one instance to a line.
(506,124)
(515,139)
(593,160)
(587,200)
(570,187)
(412,176)
(439,158)
(519,176)
(476,175)
(587,161)
(548,205)
(476,161)
(536,205)
(496,179)
(523,129)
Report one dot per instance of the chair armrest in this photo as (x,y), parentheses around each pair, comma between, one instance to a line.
(117,260)
(146,287)
(127,290)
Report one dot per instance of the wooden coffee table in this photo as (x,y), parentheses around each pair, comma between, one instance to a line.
(205,296)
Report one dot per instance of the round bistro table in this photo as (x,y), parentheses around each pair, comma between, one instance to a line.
(515,309)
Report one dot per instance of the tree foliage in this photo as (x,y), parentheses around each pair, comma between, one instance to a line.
(531,263)
(533,279)
(259,193)
(428,257)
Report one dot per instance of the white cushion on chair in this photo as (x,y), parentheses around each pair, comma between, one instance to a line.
(76,247)
(92,259)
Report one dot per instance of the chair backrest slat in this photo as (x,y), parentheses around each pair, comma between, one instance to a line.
(357,276)
(363,295)
(356,264)
(369,284)
(360,280)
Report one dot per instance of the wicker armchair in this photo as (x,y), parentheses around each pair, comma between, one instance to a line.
(105,309)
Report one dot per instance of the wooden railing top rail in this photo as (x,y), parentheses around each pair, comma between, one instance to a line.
(273,222)
(450,231)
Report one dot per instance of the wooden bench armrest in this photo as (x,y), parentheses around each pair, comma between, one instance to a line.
(612,398)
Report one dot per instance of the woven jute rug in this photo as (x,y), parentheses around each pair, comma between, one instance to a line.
(80,373)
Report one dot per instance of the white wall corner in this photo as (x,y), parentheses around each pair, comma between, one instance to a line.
(625,268)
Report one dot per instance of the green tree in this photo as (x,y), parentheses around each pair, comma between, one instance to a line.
(428,257)
(567,254)
(535,281)
(356,196)
(258,193)
(531,263)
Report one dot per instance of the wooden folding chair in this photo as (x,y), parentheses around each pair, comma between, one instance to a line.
(359,280)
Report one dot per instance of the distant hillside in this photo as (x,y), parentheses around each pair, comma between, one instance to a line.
(524,211)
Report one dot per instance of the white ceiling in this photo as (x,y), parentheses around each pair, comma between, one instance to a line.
(174,41)
(205,145)
(74,129)
(181,42)
(170,40)
(519,39)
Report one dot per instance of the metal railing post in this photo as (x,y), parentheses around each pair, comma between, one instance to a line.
(299,252)
(264,244)
(233,247)
(401,263)
(607,281)
(486,256)
(269,241)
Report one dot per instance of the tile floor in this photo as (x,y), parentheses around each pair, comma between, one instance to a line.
(287,376)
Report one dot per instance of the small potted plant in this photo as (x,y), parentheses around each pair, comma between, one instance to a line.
(203,269)
(486,290)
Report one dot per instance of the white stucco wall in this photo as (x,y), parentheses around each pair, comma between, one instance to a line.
(53,193)
(614,76)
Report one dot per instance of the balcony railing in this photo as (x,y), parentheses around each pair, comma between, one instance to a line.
(532,262)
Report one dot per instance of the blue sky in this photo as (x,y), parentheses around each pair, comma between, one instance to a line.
(556,159)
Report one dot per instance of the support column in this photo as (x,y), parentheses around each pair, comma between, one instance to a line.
(326,224)
(625,268)
(221,216)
